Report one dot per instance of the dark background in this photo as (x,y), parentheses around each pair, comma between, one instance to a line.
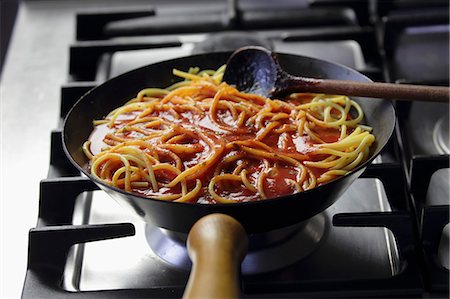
(8,11)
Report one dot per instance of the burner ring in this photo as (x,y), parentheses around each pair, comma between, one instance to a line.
(267,251)
(441,135)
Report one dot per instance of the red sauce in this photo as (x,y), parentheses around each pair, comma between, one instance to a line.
(276,183)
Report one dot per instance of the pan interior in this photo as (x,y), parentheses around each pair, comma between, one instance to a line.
(96,104)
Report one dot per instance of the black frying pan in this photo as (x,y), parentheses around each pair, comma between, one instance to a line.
(254,216)
(217,243)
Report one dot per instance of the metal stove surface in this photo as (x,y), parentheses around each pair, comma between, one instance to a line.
(346,52)
(343,252)
(116,264)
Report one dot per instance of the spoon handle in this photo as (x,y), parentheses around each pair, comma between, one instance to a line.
(374,90)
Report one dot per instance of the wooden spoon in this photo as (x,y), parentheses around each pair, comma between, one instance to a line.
(256,70)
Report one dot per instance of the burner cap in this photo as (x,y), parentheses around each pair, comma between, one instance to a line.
(230,41)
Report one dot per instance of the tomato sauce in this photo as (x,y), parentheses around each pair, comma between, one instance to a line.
(277,182)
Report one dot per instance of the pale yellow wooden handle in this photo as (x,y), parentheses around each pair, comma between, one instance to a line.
(217,245)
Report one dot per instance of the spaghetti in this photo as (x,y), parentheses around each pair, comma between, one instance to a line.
(201,140)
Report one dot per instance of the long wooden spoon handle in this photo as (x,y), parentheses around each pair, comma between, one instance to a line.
(372,90)
(217,245)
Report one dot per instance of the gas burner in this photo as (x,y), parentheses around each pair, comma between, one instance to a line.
(230,41)
(426,129)
(441,135)
(267,252)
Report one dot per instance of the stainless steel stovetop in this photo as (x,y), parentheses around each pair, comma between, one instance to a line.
(345,251)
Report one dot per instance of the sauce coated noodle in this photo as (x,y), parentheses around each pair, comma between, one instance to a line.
(201,140)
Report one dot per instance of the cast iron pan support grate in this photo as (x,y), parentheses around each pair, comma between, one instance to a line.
(434,219)
(47,252)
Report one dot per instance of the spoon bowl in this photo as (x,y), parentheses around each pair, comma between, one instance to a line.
(253,70)
(256,70)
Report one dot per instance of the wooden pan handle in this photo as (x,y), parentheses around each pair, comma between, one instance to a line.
(217,245)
